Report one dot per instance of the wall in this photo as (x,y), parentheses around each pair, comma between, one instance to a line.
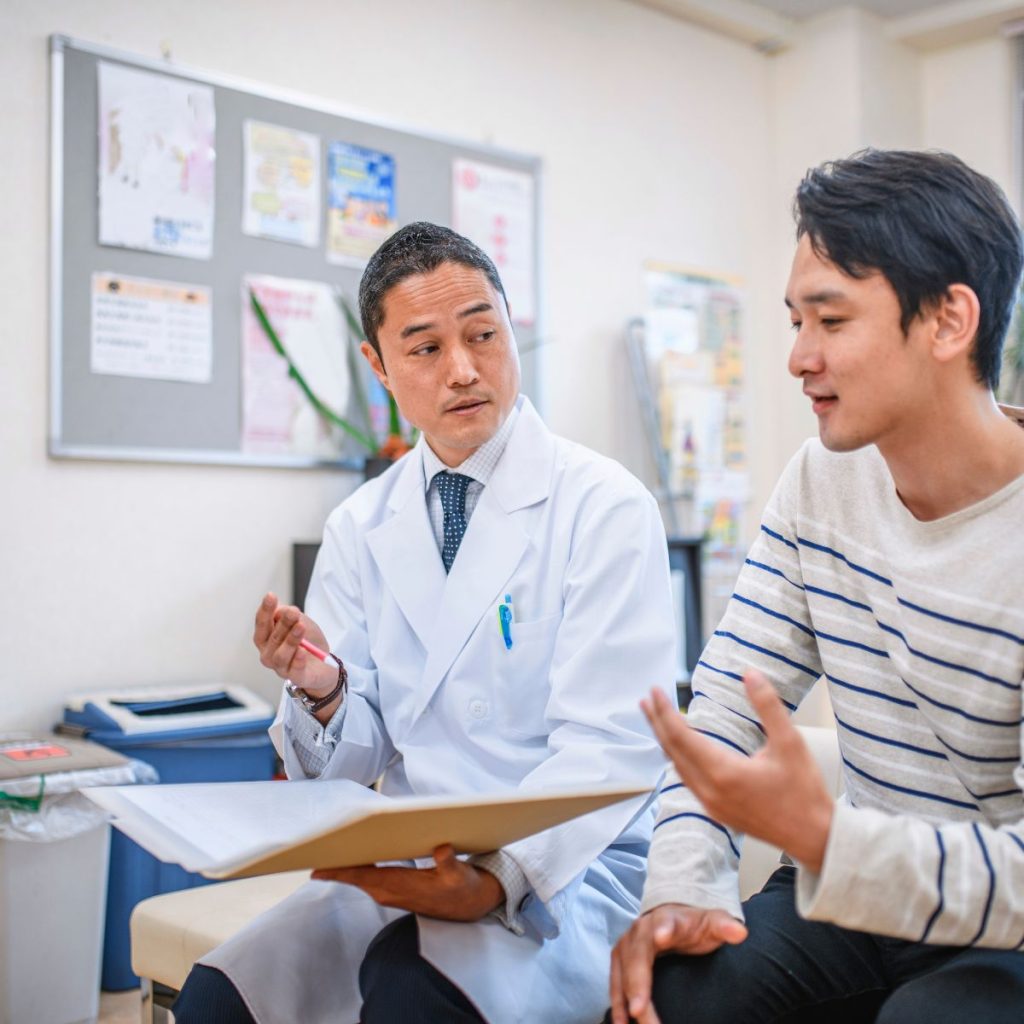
(653,135)
(969,108)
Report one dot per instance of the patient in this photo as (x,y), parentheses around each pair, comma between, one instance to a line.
(889,561)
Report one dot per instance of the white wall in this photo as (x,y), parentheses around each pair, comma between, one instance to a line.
(653,136)
(968,107)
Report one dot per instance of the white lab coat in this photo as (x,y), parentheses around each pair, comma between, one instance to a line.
(439,706)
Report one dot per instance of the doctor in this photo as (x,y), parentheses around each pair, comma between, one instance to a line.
(426,690)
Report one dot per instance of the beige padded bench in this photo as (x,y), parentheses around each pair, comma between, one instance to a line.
(170,932)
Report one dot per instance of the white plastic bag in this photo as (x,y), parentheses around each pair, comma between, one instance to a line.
(60,811)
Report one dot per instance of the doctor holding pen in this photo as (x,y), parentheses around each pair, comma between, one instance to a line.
(494,606)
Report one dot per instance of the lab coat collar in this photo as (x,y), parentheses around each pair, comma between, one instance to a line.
(410,478)
(522,476)
(405,549)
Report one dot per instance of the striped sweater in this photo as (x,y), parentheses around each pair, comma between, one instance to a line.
(918,628)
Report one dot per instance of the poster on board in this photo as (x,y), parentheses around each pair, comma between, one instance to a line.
(361,207)
(156,162)
(154,329)
(281,196)
(493,206)
(277,417)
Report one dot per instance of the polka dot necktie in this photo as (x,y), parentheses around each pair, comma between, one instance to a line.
(452,488)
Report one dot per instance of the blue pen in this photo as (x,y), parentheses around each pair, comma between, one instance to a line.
(505,621)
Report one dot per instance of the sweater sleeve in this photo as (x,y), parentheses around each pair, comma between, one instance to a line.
(956,884)
(694,859)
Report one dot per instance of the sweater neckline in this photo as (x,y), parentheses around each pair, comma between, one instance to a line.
(992,501)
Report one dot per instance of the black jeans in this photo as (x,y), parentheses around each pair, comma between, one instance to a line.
(397,985)
(792,971)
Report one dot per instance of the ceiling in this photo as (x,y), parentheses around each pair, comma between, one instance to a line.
(886,8)
(771,25)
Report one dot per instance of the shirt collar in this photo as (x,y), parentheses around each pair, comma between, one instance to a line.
(480,465)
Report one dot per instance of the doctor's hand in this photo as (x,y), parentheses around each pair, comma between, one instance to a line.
(777,795)
(670,928)
(279,628)
(451,890)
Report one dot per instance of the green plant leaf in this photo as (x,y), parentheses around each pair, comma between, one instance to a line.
(354,326)
(394,417)
(356,363)
(327,414)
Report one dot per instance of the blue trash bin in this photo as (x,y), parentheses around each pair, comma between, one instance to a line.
(188,734)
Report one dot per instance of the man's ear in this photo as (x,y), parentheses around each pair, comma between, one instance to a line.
(370,355)
(956,316)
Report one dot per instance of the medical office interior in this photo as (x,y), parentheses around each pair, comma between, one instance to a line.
(667,138)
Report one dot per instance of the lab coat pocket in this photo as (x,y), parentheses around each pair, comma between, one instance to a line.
(522,675)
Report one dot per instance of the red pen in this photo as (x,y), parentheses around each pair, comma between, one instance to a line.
(313,649)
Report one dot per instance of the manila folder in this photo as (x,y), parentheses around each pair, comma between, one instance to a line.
(237,829)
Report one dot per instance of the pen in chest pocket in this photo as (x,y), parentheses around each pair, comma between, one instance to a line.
(505,620)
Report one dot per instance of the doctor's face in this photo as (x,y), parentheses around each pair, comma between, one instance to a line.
(449,357)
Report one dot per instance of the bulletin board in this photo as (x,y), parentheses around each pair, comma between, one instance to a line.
(107,402)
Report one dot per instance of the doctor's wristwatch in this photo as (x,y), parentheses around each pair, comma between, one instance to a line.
(314,704)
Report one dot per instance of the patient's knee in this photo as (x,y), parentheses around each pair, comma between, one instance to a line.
(703,989)
(992,992)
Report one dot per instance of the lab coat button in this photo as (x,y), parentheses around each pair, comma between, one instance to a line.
(478,708)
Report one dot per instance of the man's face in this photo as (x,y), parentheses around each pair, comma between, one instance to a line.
(866,380)
(449,358)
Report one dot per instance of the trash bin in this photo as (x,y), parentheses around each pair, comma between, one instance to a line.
(188,734)
(53,876)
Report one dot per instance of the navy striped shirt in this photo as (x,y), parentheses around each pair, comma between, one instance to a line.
(918,629)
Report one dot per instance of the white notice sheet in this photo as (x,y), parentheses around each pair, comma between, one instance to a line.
(493,206)
(144,328)
(156,162)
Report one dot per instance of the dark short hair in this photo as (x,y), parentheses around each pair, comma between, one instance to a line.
(418,248)
(925,221)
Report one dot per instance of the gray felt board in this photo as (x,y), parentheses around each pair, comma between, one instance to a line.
(111,417)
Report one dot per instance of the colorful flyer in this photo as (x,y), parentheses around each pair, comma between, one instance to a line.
(360,202)
(277,416)
(694,346)
(156,162)
(144,328)
(493,206)
(282,184)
